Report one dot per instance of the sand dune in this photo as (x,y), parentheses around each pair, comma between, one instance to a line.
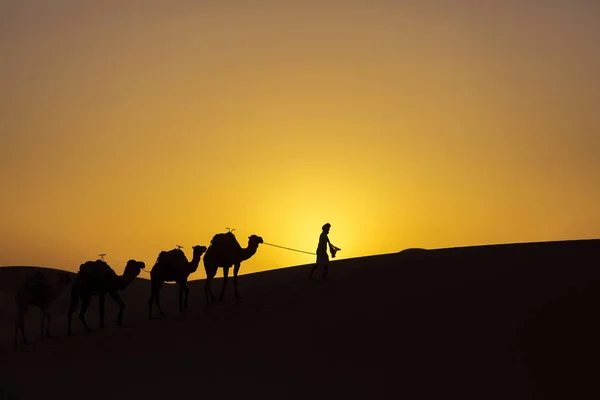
(486,322)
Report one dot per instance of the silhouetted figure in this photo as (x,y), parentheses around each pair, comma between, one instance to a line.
(36,291)
(223,252)
(322,258)
(97,278)
(173,266)
(35,279)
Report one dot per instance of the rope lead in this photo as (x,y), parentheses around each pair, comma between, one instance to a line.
(287,248)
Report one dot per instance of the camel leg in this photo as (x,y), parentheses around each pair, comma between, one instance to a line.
(72,307)
(225,274)
(236,269)
(20,325)
(181,290)
(117,298)
(212,295)
(183,295)
(206,290)
(155,298)
(101,301)
(85,303)
(42,325)
(187,293)
(162,313)
(48,335)
(208,294)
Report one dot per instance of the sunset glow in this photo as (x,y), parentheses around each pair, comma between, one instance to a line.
(129,128)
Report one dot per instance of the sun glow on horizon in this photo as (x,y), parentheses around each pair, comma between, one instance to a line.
(128,130)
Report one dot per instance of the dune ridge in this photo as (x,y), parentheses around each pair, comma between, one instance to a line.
(500,321)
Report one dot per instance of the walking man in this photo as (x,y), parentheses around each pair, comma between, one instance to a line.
(322,258)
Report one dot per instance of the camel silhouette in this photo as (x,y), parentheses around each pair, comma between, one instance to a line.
(173,266)
(97,278)
(223,252)
(36,291)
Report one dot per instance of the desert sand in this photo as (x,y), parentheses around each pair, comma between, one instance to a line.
(487,322)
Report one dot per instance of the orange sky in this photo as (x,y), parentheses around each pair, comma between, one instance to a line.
(127,129)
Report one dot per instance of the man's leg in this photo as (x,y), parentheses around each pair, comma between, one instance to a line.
(313,269)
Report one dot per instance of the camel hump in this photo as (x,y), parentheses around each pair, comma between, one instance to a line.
(96,269)
(224,240)
(172,256)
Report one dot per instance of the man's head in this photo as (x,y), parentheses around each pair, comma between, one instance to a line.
(326,227)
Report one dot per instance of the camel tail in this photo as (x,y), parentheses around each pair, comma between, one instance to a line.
(74,299)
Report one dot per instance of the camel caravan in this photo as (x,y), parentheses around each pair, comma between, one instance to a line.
(97,278)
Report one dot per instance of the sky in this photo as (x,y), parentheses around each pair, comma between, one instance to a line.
(130,127)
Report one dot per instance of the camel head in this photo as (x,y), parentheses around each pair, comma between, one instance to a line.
(254,241)
(199,250)
(134,267)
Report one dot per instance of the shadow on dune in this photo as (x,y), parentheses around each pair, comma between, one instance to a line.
(11,278)
(560,343)
(490,322)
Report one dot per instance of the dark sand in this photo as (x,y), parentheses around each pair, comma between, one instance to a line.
(489,322)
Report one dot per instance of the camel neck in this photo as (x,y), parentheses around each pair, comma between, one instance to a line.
(124,280)
(248,252)
(193,265)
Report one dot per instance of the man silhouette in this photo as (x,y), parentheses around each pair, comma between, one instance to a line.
(322,258)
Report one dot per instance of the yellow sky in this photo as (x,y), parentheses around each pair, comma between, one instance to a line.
(130,127)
